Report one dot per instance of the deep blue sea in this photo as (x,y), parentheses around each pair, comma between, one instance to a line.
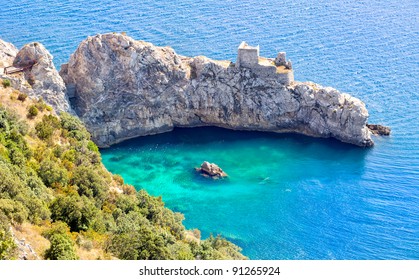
(287,196)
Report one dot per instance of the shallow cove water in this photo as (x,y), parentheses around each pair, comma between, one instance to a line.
(288,197)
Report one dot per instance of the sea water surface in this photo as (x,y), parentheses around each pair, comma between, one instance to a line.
(287,196)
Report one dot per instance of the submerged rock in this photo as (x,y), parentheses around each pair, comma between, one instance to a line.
(125,88)
(211,170)
(378,129)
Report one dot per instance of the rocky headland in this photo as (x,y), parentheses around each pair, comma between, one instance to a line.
(122,88)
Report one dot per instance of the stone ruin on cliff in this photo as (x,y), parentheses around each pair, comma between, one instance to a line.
(278,68)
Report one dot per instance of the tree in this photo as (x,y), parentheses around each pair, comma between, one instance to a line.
(45,128)
(78,212)
(89,183)
(52,174)
(135,239)
(62,248)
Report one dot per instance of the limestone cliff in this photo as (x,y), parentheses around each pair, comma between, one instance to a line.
(125,88)
(38,77)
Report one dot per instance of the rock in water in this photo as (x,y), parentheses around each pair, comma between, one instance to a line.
(378,129)
(125,88)
(211,170)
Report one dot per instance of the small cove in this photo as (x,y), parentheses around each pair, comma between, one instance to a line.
(286,197)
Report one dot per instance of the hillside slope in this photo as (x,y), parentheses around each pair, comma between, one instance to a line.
(57,200)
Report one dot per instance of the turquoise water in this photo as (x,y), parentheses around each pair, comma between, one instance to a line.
(287,197)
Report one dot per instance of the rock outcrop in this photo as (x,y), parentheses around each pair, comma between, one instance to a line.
(126,88)
(211,170)
(380,130)
(43,77)
(7,54)
(40,79)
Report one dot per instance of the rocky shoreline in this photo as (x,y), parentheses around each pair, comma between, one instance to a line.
(122,88)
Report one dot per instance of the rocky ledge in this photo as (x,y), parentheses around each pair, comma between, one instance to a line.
(123,88)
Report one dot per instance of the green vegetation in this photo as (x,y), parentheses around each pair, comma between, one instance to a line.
(51,176)
(6,83)
(62,246)
(32,112)
(22,96)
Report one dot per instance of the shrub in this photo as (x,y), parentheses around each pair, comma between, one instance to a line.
(62,248)
(78,212)
(92,146)
(217,248)
(52,174)
(22,96)
(118,179)
(126,203)
(89,183)
(40,104)
(181,251)
(136,239)
(16,156)
(56,228)
(32,112)
(8,248)
(6,83)
(47,126)
(128,190)
(142,244)
(13,210)
(10,183)
(153,209)
(38,209)
(74,127)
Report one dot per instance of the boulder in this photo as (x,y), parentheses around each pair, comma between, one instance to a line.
(211,170)
(378,129)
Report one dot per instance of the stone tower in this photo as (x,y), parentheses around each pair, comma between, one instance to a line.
(247,56)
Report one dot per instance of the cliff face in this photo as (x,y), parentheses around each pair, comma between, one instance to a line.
(40,78)
(126,88)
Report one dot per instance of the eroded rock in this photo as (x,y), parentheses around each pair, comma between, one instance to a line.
(378,129)
(211,170)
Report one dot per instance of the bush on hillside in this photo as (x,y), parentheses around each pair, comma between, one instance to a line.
(32,112)
(45,128)
(22,96)
(62,248)
(6,83)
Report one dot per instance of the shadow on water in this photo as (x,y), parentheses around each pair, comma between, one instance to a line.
(320,148)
